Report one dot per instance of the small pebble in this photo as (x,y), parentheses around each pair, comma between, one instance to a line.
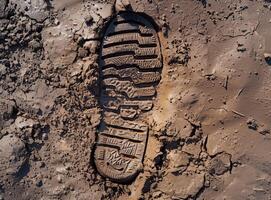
(252,124)
(39,183)
(89,20)
(267,57)
(59,179)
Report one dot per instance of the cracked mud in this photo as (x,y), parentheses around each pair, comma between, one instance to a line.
(147,99)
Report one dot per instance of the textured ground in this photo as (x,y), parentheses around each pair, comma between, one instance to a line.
(209,133)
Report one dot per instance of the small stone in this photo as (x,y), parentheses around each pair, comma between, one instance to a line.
(165,31)
(62,169)
(252,124)
(39,183)
(215,188)
(207,183)
(235,164)
(3,4)
(267,6)
(59,179)
(156,194)
(241,49)
(80,40)
(56,22)
(41,164)
(8,112)
(44,136)
(2,69)
(13,155)
(204,156)
(82,52)
(89,20)
(267,57)
(122,5)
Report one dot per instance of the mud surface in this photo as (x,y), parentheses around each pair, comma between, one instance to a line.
(209,126)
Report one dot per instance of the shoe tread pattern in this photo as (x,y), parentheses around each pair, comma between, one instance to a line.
(130,69)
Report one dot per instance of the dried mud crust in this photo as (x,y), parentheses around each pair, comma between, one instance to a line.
(130,69)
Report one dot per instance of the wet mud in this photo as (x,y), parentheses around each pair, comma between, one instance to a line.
(148,99)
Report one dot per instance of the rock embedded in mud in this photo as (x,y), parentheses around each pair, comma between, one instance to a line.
(241,48)
(89,20)
(122,5)
(157,194)
(35,9)
(220,164)
(59,178)
(3,70)
(8,112)
(13,156)
(22,123)
(267,57)
(39,183)
(252,124)
(82,52)
(3,4)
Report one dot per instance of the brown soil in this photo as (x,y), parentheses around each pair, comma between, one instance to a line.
(209,128)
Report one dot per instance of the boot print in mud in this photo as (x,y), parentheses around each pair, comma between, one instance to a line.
(130,70)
